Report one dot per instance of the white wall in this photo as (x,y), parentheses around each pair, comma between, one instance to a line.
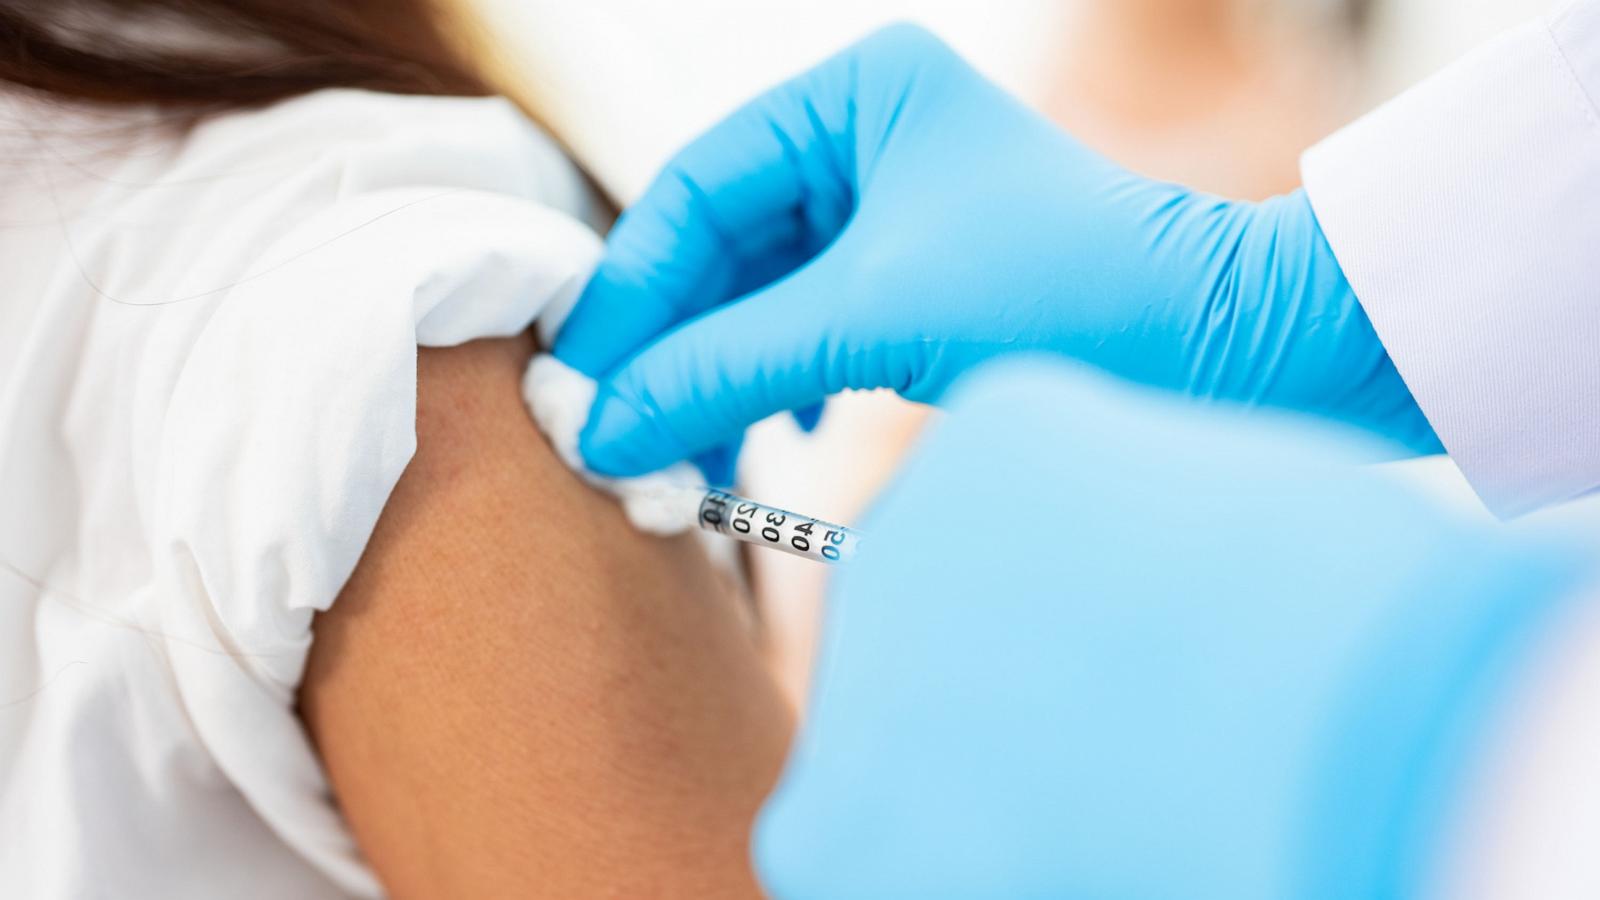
(626,82)
(1413,38)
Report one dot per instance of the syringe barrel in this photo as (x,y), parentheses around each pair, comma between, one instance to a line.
(746,520)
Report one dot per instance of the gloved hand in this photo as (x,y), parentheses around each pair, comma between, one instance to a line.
(1165,653)
(891,219)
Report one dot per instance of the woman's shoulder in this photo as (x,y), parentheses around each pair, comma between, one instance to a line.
(266,276)
(387,223)
(218,323)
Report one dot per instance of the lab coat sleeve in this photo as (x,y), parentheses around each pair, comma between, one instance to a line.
(1466,215)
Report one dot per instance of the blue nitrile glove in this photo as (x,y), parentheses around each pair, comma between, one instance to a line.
(1102,644)
(891,218)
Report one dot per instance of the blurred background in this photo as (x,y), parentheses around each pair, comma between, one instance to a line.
(1222,95)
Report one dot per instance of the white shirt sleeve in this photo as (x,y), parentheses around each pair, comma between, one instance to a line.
(1466,215)
(291,422)
(291,407)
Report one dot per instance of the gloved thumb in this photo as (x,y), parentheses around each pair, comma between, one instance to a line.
(702,383)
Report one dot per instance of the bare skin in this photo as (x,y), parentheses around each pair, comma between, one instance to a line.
(519,695)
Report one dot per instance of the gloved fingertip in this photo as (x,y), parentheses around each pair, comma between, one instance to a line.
(808,417)
(611,440)
(581,346)
(718,465)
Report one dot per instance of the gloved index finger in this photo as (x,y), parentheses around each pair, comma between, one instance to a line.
(744,203)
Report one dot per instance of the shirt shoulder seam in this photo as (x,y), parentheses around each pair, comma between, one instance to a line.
(1590,108)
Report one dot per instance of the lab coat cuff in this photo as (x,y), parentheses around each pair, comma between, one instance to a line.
(1463,214)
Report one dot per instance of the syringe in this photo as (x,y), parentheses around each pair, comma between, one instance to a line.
(755,523)
(768,526)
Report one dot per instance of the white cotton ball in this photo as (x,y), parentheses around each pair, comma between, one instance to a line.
(559,397)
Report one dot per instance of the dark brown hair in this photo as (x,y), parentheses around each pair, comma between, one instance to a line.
(211,53)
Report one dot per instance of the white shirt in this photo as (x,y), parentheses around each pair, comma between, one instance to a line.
(207,391)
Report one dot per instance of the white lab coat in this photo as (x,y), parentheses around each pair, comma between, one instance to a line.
(1466,214)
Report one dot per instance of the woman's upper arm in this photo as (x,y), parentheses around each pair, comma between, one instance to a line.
(517,694)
